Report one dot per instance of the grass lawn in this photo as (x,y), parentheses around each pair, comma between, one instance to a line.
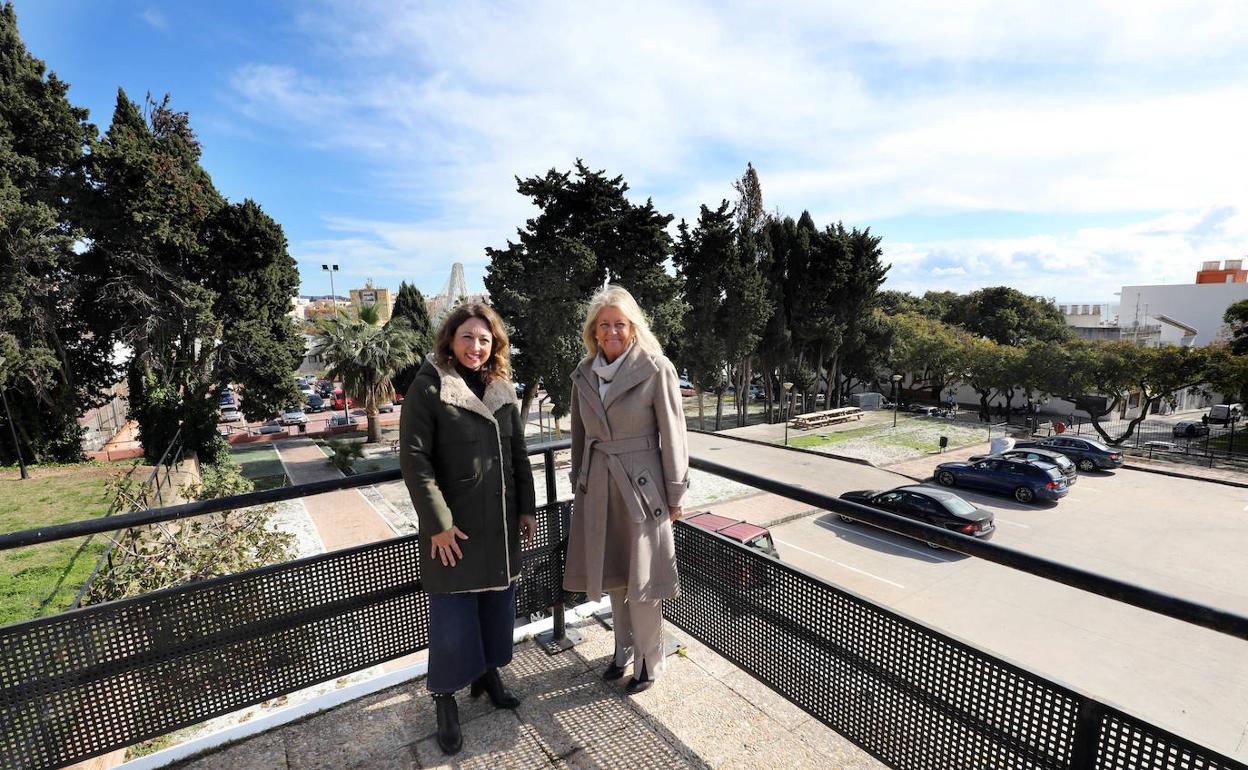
(258,462)
(43,579)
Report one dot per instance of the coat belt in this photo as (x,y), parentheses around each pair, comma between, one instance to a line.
(613,449)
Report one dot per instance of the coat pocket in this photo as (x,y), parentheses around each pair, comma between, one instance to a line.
(648,490)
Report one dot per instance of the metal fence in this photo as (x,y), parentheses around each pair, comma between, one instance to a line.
(1223,446)
(158,483)
(83,683)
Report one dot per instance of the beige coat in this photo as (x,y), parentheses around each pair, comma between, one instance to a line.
(630,463)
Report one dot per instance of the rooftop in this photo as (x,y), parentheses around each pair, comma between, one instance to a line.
(704,712)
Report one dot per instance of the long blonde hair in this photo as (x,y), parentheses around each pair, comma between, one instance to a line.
(618,297)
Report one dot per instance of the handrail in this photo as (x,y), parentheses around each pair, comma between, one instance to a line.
(1149,599)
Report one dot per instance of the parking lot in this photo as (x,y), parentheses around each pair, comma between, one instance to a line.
(1175,535)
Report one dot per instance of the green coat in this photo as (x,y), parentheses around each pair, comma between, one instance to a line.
(465,463)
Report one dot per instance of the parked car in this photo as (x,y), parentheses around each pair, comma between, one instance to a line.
(686,387)
(1025,480)
(925,410)
(754,536)
(340,419)
(338,400)
(314,404)
(756,392)
(386,408)
(744,577)
(1064,463)
(930,505)
(227,399)
(229,414)
(1225,414)
(325,388)
(1190,429)
(293,416)
(1089,454)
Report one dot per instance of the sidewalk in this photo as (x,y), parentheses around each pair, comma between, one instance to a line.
(344,518)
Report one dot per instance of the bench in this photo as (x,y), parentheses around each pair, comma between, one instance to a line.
(828,417)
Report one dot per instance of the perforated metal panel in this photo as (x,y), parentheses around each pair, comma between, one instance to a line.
(915,699)
(82,683)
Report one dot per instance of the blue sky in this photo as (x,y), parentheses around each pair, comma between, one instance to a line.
(1064,148)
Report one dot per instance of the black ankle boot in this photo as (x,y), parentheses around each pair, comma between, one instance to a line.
(640,681)
(491,684)
(450,739)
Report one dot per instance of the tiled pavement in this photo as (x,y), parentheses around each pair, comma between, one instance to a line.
(703,713)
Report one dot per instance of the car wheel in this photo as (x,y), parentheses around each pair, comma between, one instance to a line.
(1086,464)
(946,478)
(845,518)
(1024,495)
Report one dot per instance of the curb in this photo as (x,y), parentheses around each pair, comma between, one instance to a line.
(1177,475)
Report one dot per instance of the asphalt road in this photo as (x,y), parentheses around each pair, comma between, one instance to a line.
(1181,536)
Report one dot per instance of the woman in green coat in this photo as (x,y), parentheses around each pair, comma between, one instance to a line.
(466,467)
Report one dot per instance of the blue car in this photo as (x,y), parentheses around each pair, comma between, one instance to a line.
(1025,480)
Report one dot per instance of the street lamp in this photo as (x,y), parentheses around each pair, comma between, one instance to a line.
(896,387)
(788,408)
(333,296)
(13,430)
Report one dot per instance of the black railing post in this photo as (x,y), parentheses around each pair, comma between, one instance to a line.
(558,638)
(1087,735)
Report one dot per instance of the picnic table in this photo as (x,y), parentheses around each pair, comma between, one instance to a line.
(826,417)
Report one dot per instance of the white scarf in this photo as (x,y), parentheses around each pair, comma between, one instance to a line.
(607,371)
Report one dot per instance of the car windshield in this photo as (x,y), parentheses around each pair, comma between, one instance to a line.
(763,543)
(958,507)
(1097,445)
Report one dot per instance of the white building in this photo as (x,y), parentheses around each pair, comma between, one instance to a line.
(1194,306)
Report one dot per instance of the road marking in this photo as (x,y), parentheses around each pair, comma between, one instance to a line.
(838,563)
(914,551)
(1012,523)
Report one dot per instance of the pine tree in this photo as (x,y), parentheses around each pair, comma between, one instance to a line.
(56,364)
(587,233)
(410,308)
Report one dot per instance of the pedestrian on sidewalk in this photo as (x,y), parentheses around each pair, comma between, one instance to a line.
(630,471)
(466,467)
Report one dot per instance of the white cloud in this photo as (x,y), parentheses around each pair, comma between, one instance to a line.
(1084,267)
(155,18)
(855,112)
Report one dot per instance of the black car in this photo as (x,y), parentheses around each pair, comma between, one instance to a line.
(938,507)
(1190,429)
(1088,454)
(1063,463)
(314,404)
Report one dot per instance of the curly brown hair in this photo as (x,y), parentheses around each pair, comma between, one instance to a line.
(498,365)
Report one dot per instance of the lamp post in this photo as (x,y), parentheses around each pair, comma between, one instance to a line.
(896,388)
(12,429)
(788,408)
(333,302)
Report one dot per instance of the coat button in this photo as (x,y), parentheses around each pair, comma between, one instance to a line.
(642,481)
(658,511)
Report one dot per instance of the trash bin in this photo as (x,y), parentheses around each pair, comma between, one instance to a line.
(303,427)
(944,442)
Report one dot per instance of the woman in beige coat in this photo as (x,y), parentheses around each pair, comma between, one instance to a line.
(630,470)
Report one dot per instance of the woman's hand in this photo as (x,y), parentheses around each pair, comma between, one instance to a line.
(528,526)
(445,549)
(675,512)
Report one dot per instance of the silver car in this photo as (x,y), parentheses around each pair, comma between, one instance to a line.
(294,417)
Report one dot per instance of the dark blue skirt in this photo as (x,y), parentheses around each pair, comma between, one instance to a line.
(468,634)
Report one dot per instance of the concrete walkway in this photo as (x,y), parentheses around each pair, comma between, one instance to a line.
(343,518)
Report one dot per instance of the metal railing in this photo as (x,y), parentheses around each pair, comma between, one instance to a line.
(153,488)
(82,683)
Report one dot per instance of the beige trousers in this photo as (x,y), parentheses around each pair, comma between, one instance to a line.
(638,633)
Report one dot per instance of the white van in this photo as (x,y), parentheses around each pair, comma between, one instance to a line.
(1223,414)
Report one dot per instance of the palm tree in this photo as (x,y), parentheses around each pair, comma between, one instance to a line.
(365,355)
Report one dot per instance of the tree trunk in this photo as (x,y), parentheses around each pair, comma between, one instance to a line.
(743,393)
(719,410)
(374,425)
(701,410)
